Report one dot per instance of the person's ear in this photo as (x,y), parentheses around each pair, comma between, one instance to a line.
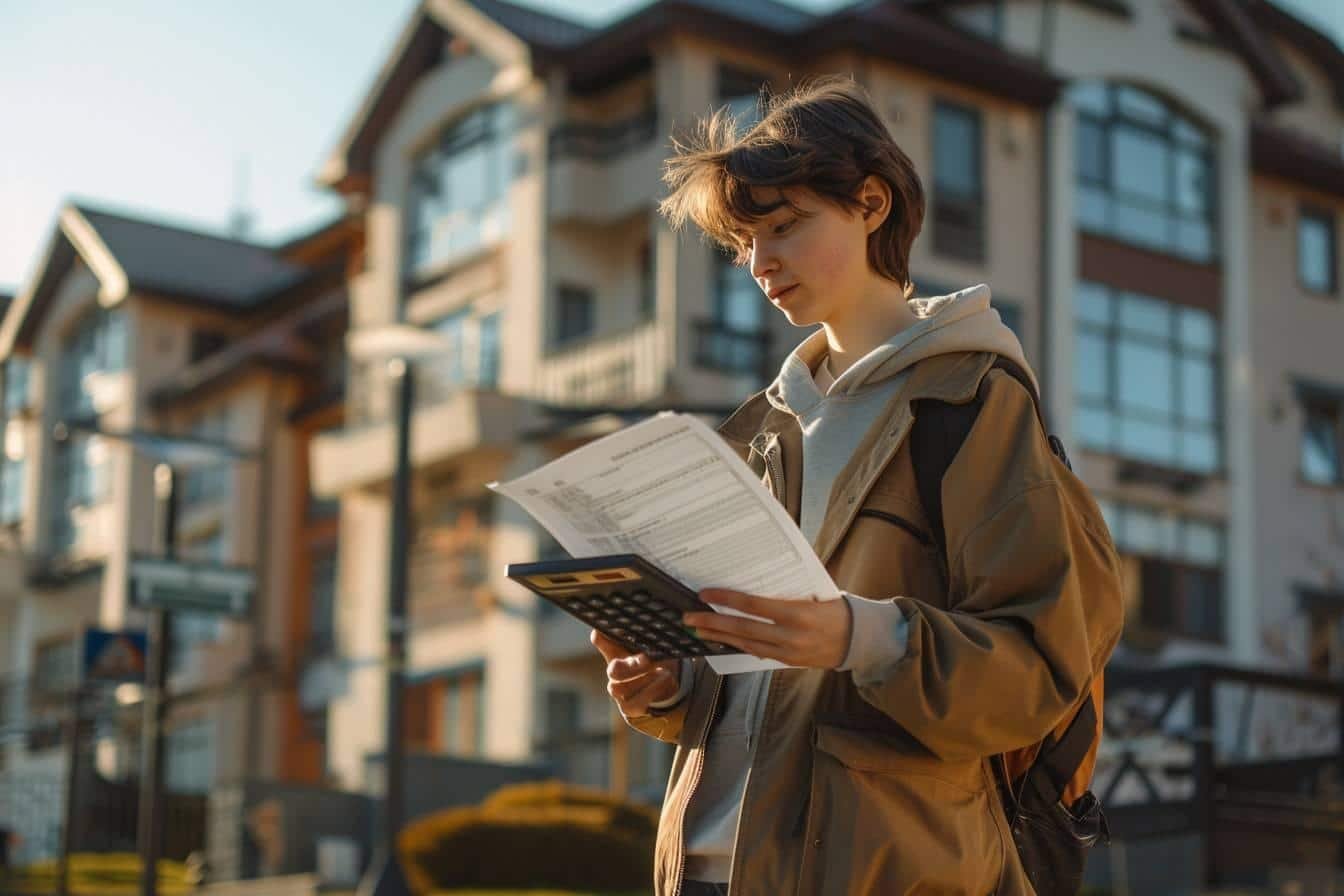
(875,195)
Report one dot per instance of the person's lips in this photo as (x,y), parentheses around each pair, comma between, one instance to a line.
(779,292)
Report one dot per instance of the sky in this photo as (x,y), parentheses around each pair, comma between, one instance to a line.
(173,110)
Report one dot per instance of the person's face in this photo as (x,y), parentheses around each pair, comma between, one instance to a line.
(820,258)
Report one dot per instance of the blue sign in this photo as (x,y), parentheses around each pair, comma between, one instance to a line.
(114,656)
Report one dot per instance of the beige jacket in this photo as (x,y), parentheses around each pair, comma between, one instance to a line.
(887,788)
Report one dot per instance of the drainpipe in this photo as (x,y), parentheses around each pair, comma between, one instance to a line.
(1046,47)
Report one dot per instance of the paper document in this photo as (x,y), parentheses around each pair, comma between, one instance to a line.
(671,490)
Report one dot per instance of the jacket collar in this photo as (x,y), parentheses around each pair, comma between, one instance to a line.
(952,378)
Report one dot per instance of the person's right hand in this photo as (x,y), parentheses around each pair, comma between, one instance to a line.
(633,680)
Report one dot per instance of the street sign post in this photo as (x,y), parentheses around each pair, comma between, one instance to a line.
(170,584)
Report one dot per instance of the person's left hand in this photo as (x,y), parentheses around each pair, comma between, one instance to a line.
(805,633)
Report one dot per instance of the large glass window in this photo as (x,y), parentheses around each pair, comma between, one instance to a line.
(457,198)
(79,471)
(189,757)
(1146,379)
(463,714)
(740,90)
(1316,262)
(1175,564)
(1145,173)
(471,359)
(958,182)
(322,601)
(16,386)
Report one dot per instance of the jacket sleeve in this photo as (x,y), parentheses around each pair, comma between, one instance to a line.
(1035,605)
(665,720)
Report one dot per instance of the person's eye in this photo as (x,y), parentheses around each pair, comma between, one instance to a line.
(784,228)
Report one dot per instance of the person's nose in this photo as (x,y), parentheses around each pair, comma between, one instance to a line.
(763,261)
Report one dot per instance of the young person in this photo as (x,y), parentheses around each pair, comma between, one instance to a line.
(866,766)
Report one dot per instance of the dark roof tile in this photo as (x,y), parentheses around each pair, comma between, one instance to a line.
(176,261)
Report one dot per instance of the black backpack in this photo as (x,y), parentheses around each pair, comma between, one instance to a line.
(1052,839)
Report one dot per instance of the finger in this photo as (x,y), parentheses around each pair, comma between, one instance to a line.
(777,609)
(627,689)
(721,627)
(755,648)
(608,647)
(624,668)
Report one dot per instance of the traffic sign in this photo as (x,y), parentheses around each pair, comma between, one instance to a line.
(114,656)
(157,583)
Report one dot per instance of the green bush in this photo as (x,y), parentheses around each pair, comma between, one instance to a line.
(546,835)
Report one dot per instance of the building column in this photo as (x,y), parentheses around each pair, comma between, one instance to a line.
(1061,275)
(1243,599)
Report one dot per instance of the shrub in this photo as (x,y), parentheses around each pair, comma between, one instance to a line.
(533,835)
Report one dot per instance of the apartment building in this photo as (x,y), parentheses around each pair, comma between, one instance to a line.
(1151,189)
(129,331)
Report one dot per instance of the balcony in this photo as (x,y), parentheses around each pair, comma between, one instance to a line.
(460,422)
(730,350)
(1233,775)
(623,369)
(605,172)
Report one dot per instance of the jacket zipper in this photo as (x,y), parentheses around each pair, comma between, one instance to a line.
(899,521)
(695,780)
(776,471)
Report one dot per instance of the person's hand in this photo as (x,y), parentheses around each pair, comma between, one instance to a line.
(809,634)
(633,680)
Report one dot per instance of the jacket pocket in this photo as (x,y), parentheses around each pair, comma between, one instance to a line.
(884,820)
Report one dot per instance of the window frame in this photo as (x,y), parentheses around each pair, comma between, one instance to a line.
(1113,334)
(973,245)
(1307,211)
(1175,143)
(1315,401)
(570,291)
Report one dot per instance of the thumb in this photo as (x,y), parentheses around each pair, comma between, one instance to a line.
(609,649)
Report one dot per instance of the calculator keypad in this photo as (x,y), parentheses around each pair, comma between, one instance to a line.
(644,620)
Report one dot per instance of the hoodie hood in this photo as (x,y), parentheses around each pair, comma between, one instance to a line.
(962,321)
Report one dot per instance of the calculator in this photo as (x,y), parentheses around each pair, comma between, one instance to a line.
(626,598)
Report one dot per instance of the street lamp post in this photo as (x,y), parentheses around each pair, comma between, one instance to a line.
(400,345)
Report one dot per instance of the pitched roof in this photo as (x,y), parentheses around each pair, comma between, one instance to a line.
(169,262)
(592,55)
(176,262)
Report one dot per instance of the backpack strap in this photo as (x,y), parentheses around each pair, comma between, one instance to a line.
(940,429)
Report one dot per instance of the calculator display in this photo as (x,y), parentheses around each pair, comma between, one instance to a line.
(624,597)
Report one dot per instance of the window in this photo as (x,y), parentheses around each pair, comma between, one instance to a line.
(958,182)
(1011,315)
(735,338)
(189,757)
(1178,565)
(55,666)
(1316,262)
(1325,647)
(79,474)
(648,290)
(457,199)
(573,313)
(212,481)
(1144,172)
(488,346)
(1146,379)
(322,601)
(205,342)
(16,386)
(562,716)
(12,471)
(1322,438)
(740,90)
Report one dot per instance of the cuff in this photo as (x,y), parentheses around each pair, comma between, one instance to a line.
(877,638)
(687,674)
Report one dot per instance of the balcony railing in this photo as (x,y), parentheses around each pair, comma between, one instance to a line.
(730,350)
(601,142)
(1231,755)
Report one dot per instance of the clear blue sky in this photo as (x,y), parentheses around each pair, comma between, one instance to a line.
(148,105)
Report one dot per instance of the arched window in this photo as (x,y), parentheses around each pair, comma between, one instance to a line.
(1145,172)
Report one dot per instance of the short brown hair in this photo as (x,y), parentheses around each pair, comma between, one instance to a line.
(823,134)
